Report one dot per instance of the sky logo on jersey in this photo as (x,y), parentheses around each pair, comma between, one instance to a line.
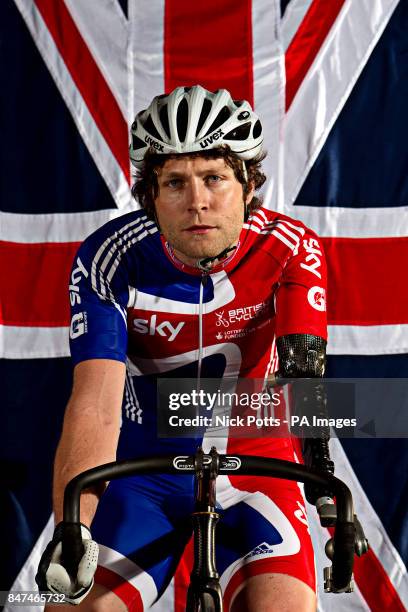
(150,326)
(76,277)
(312,247)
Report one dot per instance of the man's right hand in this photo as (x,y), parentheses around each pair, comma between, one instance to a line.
(52,575)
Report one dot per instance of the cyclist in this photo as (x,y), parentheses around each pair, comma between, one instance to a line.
(147,292)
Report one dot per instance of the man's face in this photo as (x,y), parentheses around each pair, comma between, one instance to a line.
(200,206)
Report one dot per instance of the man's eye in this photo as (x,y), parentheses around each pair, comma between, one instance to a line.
(174,183)
(213,178)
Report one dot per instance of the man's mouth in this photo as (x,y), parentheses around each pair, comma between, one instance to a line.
(199,229)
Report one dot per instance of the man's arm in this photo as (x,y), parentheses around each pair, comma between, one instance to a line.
(91,429)
(304,356)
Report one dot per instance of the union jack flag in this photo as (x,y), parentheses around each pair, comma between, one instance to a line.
(329,82)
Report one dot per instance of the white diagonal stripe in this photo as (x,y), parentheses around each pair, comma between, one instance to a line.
(287,231)
(293,17)
(281,237)
(146,77)
(127,569)
(122,250)
(105,28)
(118,248)
(316,107)
(91,135)
(269,90)
(374,530)
(107,242)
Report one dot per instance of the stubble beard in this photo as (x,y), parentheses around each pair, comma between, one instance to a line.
(197,247)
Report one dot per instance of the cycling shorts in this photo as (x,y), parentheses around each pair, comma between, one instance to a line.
(143,526)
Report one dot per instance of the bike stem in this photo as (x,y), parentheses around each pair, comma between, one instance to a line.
(204,575)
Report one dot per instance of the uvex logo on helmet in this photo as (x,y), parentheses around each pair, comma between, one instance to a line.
(154,143)
(207,141)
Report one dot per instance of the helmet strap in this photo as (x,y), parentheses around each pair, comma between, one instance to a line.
(244,171)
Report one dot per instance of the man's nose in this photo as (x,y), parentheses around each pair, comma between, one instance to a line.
(197,196)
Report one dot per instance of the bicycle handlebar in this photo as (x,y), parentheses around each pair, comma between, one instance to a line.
(344,531)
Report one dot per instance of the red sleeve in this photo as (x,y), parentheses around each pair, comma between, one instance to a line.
(301,295)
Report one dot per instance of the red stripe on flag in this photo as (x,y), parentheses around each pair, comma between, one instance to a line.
(366,285)
(375,585)
(35,280)
(307,42)
(88,78)
(210,44)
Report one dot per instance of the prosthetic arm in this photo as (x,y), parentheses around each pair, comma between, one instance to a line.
(304,356)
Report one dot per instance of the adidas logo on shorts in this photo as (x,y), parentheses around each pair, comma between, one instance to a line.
(261,549)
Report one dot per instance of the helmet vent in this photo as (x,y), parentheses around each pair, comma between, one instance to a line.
(182,117)
(205,111)
(164,119)
(239,133)
(151,129)
(243,115)
(222,116)
(137,143)
(257,131)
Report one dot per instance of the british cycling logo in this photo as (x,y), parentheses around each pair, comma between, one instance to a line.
(236,315)
(221,320)
(151,327)
(79,325)
(316,296)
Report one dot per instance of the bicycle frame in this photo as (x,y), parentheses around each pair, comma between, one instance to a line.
(206,467)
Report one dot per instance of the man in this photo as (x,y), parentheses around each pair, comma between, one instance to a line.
(202,282)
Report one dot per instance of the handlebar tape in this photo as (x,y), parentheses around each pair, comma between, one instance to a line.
(72,547)
(343,556)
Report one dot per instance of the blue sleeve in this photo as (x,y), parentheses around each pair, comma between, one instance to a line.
(98,294)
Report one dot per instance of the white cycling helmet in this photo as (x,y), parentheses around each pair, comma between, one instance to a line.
(191,119)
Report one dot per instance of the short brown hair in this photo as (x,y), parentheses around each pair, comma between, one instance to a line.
(146,187)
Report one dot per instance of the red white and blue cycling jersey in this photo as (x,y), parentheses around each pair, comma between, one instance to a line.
(133,301)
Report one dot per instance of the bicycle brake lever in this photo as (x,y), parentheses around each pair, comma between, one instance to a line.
(361,544)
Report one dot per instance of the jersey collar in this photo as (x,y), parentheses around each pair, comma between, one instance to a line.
(168,249)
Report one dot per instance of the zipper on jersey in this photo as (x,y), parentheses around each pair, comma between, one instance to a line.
(203,282)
